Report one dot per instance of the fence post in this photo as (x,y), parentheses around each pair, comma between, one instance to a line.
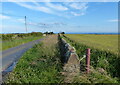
(88,60)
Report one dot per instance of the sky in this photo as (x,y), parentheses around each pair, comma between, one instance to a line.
(70,17)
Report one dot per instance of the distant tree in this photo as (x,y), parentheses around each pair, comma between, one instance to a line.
(51,33)
(62,32)
(46,33)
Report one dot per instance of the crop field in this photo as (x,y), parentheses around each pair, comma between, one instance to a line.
(41,64)
(102,42)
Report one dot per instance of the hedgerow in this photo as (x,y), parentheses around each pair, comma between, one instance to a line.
(14,36)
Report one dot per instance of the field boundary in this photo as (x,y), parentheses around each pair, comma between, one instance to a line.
(72,60)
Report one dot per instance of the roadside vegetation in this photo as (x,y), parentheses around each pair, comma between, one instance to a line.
(44,63)
(40,64)
(104,64)
(12,40)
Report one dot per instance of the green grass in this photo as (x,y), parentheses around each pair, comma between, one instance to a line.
(19,41)
(102,42)
(40,64)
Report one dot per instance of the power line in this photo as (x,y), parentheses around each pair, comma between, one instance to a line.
(27,21)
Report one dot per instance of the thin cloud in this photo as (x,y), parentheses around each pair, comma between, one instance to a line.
(57,6)
(77,14)
(77,8)
(21,20)
(59,9)
(80,6)
(114,20)
(4,17)
(35,7)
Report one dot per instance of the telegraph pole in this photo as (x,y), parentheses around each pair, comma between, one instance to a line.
(25,24)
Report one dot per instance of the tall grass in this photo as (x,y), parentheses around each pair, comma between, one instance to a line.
(41,64)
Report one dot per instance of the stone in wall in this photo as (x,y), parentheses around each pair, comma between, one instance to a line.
(72,59)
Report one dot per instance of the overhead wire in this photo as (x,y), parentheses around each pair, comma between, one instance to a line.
(32,22)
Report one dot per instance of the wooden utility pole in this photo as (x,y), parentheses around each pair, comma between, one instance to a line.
(25,24)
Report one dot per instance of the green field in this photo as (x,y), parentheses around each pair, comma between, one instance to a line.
(19,41)
(102,42)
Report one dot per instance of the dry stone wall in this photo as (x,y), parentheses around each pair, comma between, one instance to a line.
(72,60)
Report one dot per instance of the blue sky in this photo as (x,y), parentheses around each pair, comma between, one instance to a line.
(60,16)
